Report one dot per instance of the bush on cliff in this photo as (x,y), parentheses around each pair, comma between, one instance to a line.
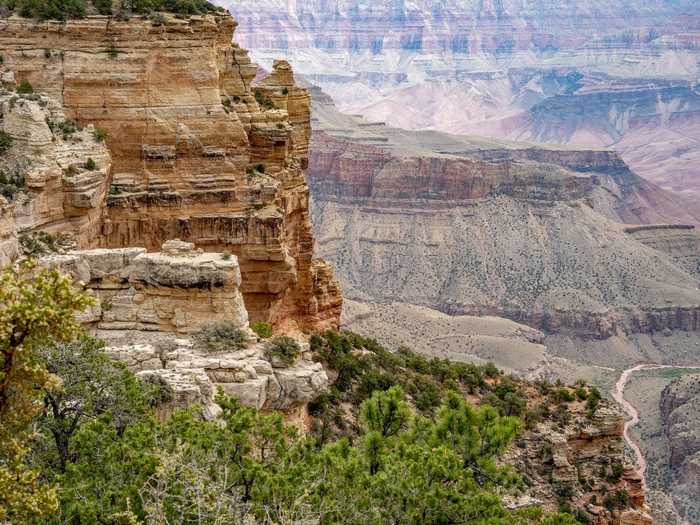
(69,9)
(284,349)
(222,335)
(5,142)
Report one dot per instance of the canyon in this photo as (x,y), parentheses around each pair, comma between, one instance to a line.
(192,154)
(619,74)
(184,184)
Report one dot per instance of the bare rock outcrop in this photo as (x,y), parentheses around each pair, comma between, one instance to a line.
(151,308)
(54,173)
(195,373)
(179,289)
(680,416)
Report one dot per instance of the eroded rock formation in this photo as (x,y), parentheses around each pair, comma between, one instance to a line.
(469,226)
(198,153)
(56,187)
(151,308)
(680,418)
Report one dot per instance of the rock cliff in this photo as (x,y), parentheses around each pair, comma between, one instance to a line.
(48,180)
(470,226)
(151,309)
(680,410)
(197,151)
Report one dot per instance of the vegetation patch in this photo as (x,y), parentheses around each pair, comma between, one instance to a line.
(11,183)
(69,9)
(284,349)
(262,329)
(222,335)
(263,100)
(43,243)
(5,142)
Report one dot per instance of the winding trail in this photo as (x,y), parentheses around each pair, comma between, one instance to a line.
(618,394)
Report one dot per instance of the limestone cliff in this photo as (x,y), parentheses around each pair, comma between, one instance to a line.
(55,187)
(151,307)
(198,152)
(680,409)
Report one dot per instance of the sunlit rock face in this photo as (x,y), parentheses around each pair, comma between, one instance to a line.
(592,73)
(197,151)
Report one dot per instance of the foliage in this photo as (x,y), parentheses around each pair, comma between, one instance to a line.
(263,100)
(11,183)
(42,243)
(223,335)
(25,88)
(100,135)
(36,307)
(90,164)
(91,384)
(5,142)
(262,329)
(283,348)
(68,9)
(618,499)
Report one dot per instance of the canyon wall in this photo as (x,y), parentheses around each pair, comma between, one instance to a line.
(471,226)
(680,410)
(617,74)
(198,153)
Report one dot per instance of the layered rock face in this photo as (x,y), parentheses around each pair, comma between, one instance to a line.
(475,227)
(680,414)
(151,308)
(176,290)
(48,162)
(619,74)
(198,154)
(579,455)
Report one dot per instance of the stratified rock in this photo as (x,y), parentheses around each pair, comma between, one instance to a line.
(171,291)
(49,154)
(196,154)
(195,374)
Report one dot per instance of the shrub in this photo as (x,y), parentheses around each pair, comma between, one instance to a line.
(160,391)
(158,19)
(11,183)
(42,243)
(114,190)
(226,256)
(263,100)
(25,88)
(283,348)
(260,168)
(618,500)
(617,470)
(223,335)
(104,7)
(262,329)
(99,134)
(91,164)
(5,142)
(593,401)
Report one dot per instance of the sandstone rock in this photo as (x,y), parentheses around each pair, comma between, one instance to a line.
(176,290)
(195,374)
(194,155)
(59,192)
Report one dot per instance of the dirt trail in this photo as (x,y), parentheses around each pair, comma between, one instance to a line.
(618,394)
